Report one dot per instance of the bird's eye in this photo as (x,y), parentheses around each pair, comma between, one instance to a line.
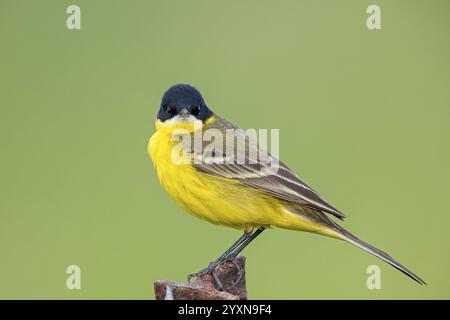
(195,110)
(170,111)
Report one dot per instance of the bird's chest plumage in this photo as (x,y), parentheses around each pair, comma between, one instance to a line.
(189,188)
(179,180)
(202,195)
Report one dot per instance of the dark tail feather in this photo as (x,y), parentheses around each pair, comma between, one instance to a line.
(345,235)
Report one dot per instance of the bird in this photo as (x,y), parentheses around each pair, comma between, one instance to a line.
(248,195)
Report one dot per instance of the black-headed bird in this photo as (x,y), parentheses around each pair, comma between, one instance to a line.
(247,195)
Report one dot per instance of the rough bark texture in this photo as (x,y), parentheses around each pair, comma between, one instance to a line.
(227,282)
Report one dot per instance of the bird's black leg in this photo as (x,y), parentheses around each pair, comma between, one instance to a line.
(245,243)
(224,256)
(232,255)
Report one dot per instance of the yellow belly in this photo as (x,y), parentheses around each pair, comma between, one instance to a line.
(218,200)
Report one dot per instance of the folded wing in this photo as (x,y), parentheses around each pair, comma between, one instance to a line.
(257,169)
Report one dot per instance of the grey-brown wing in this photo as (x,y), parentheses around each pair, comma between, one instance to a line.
(257,169)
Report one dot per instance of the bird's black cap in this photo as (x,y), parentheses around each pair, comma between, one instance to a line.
(183,99)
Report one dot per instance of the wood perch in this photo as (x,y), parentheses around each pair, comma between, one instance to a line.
(227,282)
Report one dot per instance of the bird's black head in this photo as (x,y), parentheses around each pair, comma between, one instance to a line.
(183,100)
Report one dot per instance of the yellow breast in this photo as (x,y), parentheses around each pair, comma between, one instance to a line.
(217,200)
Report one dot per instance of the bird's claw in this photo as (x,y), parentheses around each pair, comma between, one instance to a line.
(212,268)
(217,280)
(202,272)
(240,272)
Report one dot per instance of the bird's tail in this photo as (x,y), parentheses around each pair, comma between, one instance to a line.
(347,236)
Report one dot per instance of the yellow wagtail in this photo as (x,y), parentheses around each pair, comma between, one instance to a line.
(248,194)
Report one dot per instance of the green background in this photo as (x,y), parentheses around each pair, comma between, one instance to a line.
(364,117)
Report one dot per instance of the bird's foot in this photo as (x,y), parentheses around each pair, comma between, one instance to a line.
(214,272)
(240,271)
(211,267)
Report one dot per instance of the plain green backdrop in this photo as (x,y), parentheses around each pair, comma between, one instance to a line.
(364,117)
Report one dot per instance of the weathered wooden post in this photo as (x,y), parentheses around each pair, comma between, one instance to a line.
(226,283)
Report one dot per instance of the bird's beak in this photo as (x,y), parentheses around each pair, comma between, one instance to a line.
(184,113)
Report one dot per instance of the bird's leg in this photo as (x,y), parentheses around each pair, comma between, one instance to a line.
(222,258)
(233,254)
